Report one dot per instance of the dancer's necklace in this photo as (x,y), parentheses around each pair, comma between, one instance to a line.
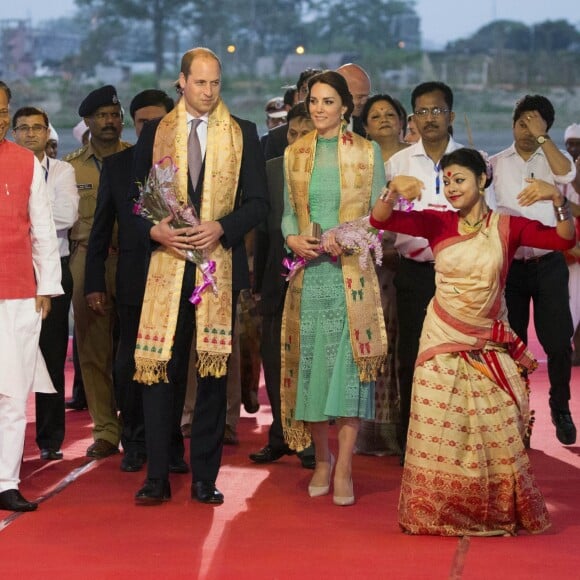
(469,227)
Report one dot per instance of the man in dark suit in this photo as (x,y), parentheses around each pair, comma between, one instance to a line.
(359,86)
(219,138)
(271,286)
(115,203)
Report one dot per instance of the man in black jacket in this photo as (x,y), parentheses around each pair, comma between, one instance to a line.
(240,184)
(359,86)
(271,286)
(277,140)
(115,207)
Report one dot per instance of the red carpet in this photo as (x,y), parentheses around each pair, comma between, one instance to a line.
(88,527)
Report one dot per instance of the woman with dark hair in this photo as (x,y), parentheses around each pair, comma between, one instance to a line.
(333,334)
(466,468)
(385,121)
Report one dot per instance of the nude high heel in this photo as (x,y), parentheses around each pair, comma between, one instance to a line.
(318,490)
(344,500)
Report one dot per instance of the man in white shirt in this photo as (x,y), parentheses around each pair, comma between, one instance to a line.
(29,276)
(30,128)
(432,105)
(537,275)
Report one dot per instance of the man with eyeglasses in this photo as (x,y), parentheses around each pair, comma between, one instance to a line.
(29,277)
(103,116)
(432,106)
(30,128)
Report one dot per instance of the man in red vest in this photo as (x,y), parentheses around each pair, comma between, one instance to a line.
(30,275)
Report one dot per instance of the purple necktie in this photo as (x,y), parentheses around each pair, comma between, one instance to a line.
(194,153)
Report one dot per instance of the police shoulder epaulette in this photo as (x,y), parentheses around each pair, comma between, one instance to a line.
(76,153)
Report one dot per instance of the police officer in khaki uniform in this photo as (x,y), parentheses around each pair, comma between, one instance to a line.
(103,115)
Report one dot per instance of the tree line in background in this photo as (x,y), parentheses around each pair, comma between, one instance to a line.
(548,36)
(275,28)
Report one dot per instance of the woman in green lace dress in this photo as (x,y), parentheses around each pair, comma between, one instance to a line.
(334,339)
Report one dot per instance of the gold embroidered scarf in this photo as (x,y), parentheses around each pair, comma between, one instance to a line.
(363,303)
(164,279)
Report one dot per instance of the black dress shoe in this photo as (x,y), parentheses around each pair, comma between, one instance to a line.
(269,454)
(178,466)
(132,462)
(565,428)
(308,461)
(206,492)
(76,405)
(12,500)
(50,454)
(153,492)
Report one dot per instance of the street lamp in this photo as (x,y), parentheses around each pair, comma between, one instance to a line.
(299,49)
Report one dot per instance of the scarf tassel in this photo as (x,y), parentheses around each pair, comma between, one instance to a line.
(369,368)
(211,363)
(149,371)
(297,436)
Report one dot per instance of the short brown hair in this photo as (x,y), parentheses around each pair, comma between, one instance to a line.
(194,53)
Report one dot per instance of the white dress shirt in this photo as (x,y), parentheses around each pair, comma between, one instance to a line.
(415,162)
(64,198)
(510,171)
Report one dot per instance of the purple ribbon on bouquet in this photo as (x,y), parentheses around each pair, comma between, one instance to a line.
(405,204)
(208,270)
(292,266)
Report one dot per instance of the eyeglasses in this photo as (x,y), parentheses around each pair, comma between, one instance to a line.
(102,116)
(435,112)
(28,128)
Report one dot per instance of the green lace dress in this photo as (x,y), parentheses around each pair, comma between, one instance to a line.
(328,381)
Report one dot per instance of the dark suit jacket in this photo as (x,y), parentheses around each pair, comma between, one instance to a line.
(270,249)
(251,204)
(277,142)
(358,127)
(115,203)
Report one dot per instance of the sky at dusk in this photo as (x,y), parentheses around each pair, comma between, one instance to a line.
(441,20)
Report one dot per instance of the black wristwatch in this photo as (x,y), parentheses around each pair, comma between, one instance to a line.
(541,139)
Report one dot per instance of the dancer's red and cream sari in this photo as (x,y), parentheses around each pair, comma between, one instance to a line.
(466,468)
